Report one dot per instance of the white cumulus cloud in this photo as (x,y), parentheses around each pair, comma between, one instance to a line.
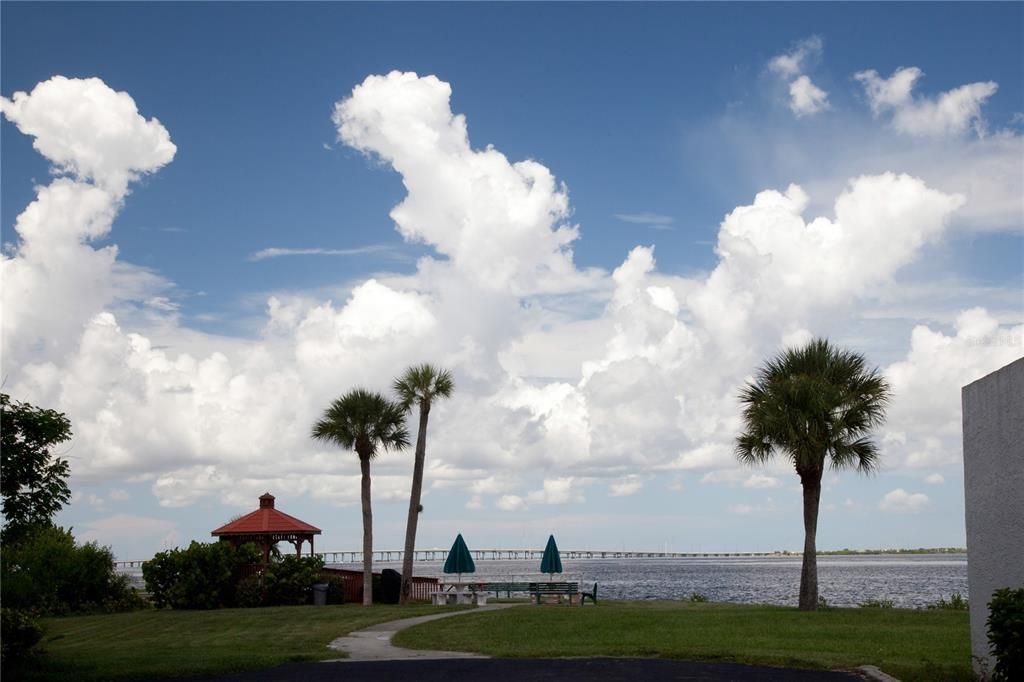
(648,363)
(98,143)
(805,98)
(501,223)
(900,501)
(950,113)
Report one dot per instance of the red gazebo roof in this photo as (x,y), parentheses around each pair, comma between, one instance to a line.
(266,520)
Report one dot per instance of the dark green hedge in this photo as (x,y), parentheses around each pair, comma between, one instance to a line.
(201,576)
(218,575)
(1006,633)
(47,573)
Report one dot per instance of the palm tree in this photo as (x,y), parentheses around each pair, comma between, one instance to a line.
(419,385)
(813,404)
(367,423)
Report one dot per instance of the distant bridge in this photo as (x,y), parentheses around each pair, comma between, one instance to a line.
(385,555)
(395,555)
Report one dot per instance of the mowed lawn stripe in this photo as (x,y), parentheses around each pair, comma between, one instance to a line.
(909,644)
(178,643)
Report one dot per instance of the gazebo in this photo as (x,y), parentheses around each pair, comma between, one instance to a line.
(267,526)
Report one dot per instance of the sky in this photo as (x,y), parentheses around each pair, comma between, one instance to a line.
(217,218)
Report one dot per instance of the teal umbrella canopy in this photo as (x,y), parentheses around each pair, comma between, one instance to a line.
(551,562)
(459,559)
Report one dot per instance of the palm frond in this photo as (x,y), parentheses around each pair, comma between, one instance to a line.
(363,421)
(422,384)
(811,403)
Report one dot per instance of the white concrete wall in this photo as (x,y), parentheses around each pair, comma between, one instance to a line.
(993,412)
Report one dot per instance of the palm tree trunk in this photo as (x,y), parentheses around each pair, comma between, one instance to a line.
(811,482)
(414,505)
(364,468)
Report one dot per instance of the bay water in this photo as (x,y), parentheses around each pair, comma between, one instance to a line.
(908,580)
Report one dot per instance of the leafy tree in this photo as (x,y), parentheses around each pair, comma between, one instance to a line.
(813,405)
(47,572)
(34,484)
(420,386)
(367,423)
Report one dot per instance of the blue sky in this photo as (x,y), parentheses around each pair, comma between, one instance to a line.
(660,120)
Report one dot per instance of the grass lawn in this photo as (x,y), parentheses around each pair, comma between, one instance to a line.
(177,643)
(909,644)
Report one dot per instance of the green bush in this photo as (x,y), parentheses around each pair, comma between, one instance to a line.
(697,597)
(249,592)
(201,576)
(876,604)
(1006,633)
(289,582)
(955,603)
(335,589)
(48,573)
(19,633)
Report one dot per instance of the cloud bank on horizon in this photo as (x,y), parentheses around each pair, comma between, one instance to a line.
(603,381)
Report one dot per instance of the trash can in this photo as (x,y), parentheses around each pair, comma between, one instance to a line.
(390,586)
(320,594)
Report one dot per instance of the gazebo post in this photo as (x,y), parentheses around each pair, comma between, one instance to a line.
(298,547)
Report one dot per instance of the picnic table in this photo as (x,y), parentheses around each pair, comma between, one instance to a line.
(477,592)
(458,593)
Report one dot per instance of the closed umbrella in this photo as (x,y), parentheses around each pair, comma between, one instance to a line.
(551,562)
(459,559)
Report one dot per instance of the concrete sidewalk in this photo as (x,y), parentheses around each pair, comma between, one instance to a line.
(374,643)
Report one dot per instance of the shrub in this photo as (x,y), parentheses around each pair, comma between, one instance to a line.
(335,589)
(823,604)
(1006,633)
(201,576)
(876,604)
(48,573)
(289,582)
(697,597)
(249,592)
(955,603)
(19,633)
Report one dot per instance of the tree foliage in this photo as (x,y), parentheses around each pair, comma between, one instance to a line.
(422,384)
(1006,633)
(34,483)
(201,576)
(47,572)
(363,421)
(816,406)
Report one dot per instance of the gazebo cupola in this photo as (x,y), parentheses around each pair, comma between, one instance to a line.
(267,526)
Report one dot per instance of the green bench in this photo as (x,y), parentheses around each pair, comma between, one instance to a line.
(498,588)
(570,590)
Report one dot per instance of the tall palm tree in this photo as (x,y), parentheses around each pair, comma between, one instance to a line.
(814,405)
(420,385)
(367,423)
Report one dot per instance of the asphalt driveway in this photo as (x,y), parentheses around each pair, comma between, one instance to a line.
(526,670)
